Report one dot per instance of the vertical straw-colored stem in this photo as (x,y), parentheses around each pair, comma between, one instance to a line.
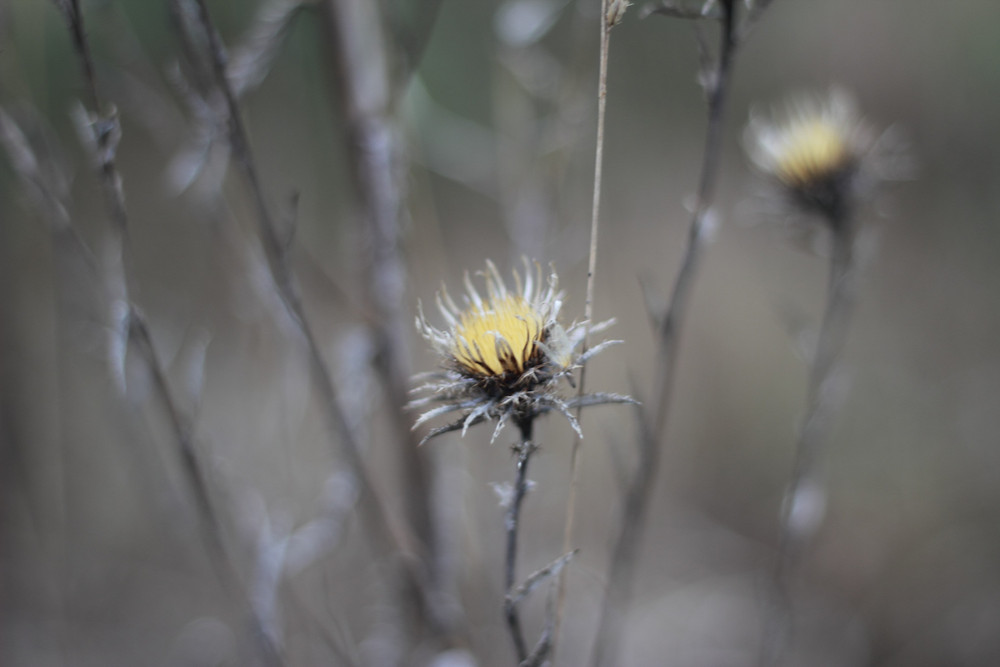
(574,462)
(653,427)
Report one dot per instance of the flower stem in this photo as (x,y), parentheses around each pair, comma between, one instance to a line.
(523,450)
(798,522)
(654,422)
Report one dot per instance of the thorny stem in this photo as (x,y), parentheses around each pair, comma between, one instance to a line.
(106,129)
(385,530)
(654,428)
(602,94)
(523,451)
(794,531)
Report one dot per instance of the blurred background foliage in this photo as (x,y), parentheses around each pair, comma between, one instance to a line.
(101,563)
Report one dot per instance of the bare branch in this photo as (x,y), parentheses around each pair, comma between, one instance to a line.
(612,12)
(383,529)
(361,59)
(654,420)
(523,451)
(252,59)
(539,576)
(101,133)
(801,507)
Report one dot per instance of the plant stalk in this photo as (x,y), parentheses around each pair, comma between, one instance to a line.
(523,452)
(653,428)
(796,525)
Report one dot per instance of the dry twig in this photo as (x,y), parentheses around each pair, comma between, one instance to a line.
(798,511)
(275,248)
(612,12)
(101,133)
(653,427)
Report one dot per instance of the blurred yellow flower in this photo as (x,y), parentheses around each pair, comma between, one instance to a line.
(816,150)
(813,150)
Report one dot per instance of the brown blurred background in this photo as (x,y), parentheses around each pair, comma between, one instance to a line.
(102,560)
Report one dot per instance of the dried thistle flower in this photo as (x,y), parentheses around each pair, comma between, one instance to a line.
(819,152)
(504,354)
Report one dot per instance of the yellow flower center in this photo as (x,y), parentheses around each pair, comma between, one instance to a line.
(814,149)
(499,337)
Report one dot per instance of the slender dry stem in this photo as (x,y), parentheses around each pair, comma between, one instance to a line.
(512,523)
(803,498)
(382,529)
(653,427)
(607,23)
(364,90)
(106,134)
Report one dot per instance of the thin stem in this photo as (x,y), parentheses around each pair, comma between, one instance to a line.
(183,431)
(74,21)
(669,329)
(106,134)
(654,429)
(359,54)
(798,520)
(523,450)
(602,94)
(383,529)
